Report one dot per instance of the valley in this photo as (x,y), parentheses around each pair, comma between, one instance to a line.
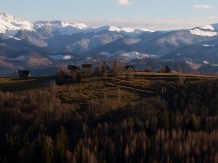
(45,45)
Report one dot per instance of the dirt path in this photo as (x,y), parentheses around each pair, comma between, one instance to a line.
(130,88)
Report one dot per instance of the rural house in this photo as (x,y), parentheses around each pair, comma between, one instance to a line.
(24,73)
(87,68)
(74,73)
(129,68)
(166,69)
(73,67)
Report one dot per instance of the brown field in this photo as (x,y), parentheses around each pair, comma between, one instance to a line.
(105,89)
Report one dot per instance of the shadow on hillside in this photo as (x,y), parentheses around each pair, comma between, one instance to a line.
(22,84)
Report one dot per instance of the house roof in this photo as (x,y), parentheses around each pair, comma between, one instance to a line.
(167,67)
(73,67)
(87,65)
(23,72)
(128,66)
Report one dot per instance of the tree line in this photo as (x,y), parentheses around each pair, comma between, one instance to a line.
(179,125)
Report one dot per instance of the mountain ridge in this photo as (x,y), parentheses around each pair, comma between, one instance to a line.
(10,24)
(58,41)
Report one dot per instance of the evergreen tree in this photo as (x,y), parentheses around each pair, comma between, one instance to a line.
(61,146)
(11,148)
(43,149)
(25,154)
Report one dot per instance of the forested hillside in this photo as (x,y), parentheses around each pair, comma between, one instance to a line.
(179,125)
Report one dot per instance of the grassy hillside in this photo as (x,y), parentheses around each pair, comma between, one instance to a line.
(126,118)
(17,84)
(113,91)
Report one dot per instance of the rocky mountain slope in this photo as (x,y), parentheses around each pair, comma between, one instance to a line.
(76,42)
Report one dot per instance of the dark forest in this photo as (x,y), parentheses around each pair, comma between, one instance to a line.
(180,125)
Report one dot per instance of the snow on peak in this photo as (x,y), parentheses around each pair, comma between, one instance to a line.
(205,45)
(57,24)
(50,24)
(132,32)
(128,55)
(15,38)
(79,25)
(9,17)
(63,28)
(133,55)
(74,29)
(10,25)
(205,62)
(210,27)
(200,32)
(206,30)
(60,57)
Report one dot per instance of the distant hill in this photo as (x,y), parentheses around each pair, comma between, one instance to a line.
(19,36)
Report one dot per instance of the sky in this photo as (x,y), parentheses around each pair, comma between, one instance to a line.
(147,14)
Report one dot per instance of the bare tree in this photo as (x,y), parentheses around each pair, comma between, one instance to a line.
(53,87)
(181,77)
(148,69)
(130,75)
(119,96)
(116,68)
(103,68)
(60,74)
(74,75)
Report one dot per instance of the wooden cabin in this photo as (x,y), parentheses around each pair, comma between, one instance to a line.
(87,68)
(73,67)
(166,69)
(129,68)
(24,73)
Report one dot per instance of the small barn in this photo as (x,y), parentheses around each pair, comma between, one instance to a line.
(73,67)
(129,68)
(73,72)
(24,73)
(166,69)
(87,68)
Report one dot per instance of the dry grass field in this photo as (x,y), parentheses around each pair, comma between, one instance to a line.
(17,84)
(113,91)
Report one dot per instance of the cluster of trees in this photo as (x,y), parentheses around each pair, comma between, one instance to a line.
(64,74)
(116,68)
(43,149)
(179,125)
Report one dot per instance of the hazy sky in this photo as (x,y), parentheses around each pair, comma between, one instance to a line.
(148,14)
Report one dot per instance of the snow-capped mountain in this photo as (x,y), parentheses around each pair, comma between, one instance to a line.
(58,41)
(65,28)
(207,30)
(10,25)
(132,32)
(57,24)
(62,28)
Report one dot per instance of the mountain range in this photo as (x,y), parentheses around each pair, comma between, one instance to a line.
(43,46)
